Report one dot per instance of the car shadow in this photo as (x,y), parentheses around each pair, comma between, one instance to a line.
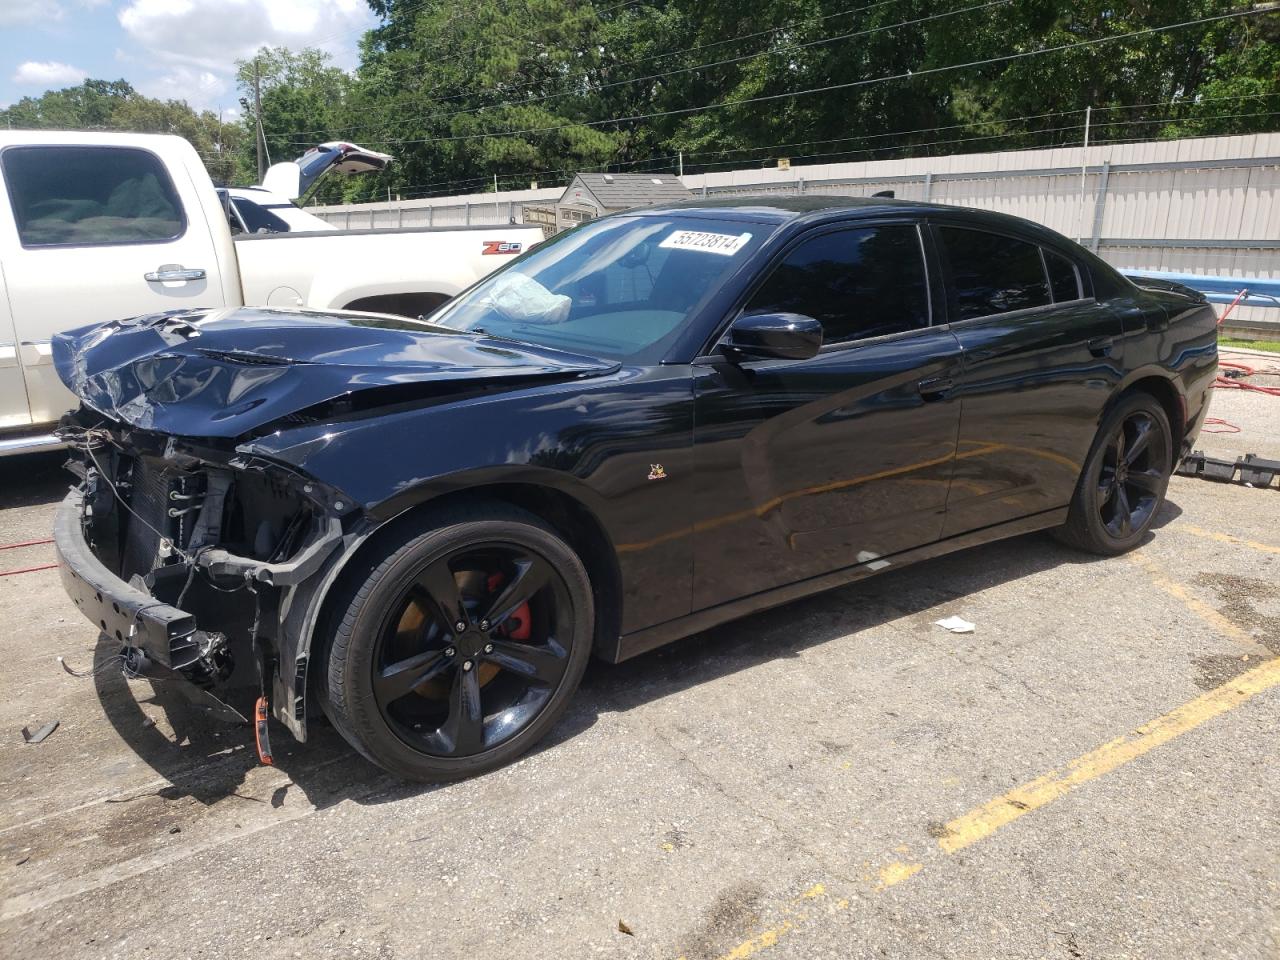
(208,760)
(828,616)
(33,479)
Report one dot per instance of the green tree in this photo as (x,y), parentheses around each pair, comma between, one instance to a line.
(303,97)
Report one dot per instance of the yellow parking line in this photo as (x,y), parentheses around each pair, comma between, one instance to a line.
(1197,606)
(980,823)
(1224,538)
(896,872)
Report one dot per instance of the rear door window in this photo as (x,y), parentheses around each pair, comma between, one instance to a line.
(1063,279)
(258,219)
(992,274)
(77,195)
(859,283)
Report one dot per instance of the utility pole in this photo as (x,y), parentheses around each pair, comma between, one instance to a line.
(1084,170)
(495,183)
(257,117)
(681,167)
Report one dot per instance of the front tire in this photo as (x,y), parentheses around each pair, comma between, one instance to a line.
(1124,480)
(457,652)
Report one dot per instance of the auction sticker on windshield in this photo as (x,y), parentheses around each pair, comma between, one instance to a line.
(725,244)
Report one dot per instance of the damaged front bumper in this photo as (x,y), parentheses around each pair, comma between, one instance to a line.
(133,617)
(205,565)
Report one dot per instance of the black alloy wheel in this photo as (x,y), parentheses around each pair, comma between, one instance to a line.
(1124,480)
(461,647)
(469,653)
(1135,467)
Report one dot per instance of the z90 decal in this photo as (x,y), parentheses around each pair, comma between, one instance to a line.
(501,246)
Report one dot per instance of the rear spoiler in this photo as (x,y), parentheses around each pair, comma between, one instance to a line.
(1165,286)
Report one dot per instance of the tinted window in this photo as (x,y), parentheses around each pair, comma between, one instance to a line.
(258,219)
(859,283)
(1062,277)
(621,287)
(992,274)
(84,195)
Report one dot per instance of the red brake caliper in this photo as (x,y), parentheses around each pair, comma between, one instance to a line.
(519,624)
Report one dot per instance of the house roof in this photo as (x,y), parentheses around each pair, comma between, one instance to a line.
(619,191)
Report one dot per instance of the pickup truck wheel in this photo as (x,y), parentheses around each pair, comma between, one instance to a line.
(460,650)
(1124,480)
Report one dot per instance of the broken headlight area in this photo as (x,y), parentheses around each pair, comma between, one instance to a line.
(185,555)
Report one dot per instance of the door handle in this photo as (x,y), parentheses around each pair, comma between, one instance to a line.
(167,272)
(36,353)
(1101,346)
(933,388)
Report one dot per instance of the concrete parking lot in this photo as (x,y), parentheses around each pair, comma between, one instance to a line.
(1094,772)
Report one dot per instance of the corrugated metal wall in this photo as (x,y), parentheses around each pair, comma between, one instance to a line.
(1207,206)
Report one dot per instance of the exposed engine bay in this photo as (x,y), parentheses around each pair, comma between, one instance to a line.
(199,535)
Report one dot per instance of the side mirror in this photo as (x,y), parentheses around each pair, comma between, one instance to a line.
(780,336)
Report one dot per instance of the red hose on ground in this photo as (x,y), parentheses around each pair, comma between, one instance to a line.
(1231,383)
(1226,425)
(14,573)
(25,543)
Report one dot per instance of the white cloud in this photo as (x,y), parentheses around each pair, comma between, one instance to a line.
(212,34)
(48,73)
(192,45)
(25,13)
(198,87)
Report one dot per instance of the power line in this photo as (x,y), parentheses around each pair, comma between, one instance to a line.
(909,74)
(995,120)
(1006,135)
(780,51)
(656,56)
(769,150)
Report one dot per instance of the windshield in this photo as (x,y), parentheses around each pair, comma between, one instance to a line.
(619,288)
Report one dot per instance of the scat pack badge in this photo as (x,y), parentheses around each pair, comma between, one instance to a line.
(657,472)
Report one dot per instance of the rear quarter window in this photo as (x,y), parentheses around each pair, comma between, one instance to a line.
(1063,279)
(992,274)
(79,196)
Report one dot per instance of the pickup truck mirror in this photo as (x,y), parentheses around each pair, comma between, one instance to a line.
(780,336)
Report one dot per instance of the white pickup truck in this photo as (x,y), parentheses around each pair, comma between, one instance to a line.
(103,226)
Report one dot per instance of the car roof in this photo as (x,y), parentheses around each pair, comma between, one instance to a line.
(782,210)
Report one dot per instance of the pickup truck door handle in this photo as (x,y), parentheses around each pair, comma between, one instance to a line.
(1101,346)
(933,388)
(167,272)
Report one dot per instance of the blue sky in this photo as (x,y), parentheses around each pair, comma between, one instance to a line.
(172,49)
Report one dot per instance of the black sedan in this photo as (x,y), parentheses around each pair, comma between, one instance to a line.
(649,425)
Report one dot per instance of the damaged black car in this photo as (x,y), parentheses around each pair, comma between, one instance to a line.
(649,425)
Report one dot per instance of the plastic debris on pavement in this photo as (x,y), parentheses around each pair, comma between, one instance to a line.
(956,625)
(40,734)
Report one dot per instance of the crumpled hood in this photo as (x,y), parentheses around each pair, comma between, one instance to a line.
(223,373)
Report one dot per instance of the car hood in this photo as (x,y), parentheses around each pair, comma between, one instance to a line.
(224,373)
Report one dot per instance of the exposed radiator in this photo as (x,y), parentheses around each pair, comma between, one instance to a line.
(150,502)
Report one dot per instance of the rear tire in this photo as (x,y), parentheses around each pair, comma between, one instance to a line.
(460,649)
(1124,480)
